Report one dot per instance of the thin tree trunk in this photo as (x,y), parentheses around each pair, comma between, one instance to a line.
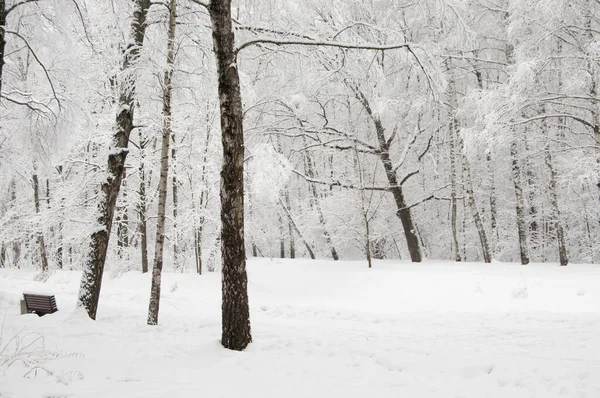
(520,206)
(143,206)
(453,176)
(16,245)
(176,263)
(236,334)
(40,235)
(93,268)
(59,248)
(290,226)
(293,224)
(493,207)
(2,38)
(556,218)
(310,172)
(154,304)
(281,237)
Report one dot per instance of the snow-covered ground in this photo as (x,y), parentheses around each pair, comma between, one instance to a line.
(320,329)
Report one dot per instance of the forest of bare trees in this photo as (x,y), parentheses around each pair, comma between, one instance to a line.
(191,134)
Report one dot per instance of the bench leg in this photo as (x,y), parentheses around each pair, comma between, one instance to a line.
(23,307)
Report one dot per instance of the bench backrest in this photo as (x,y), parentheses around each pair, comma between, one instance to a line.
(40,303)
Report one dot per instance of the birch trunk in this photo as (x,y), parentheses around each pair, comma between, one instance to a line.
(93,267)
(520,205)
(143,207)
(236,333)
(157,266)
(40,235)
(176,263)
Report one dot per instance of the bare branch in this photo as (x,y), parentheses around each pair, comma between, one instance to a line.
(15,6)
(412,173)
(38,61)
(324,43)
(338,183)
(201,3)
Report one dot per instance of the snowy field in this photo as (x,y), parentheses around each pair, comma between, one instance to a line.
(320,329)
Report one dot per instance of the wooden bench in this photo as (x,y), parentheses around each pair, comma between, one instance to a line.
(39,304)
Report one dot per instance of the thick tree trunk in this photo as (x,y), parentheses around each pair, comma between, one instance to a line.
(520,205)
(93,268)
(40,235)
(235,309)
(154,304)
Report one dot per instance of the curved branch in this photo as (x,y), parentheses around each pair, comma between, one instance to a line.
(38,61)
(15,6)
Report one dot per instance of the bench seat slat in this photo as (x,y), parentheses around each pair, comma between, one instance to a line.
(40,304)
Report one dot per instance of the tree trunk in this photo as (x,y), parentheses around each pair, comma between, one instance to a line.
(311,253)
(402,212)
(453,177)
(121,219)
(143,207)
(59,248)
(493,207)
(290,226)
(16,246)
(281,237)
(176,263)
(40,235)
(236,333)
(154,304)
(317,201)
(93,267)
(560,236)
(2,38)
(520,206)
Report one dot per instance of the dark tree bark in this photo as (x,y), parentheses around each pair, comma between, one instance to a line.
(2,37)
(403,212)
(235,310)
(93,268)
